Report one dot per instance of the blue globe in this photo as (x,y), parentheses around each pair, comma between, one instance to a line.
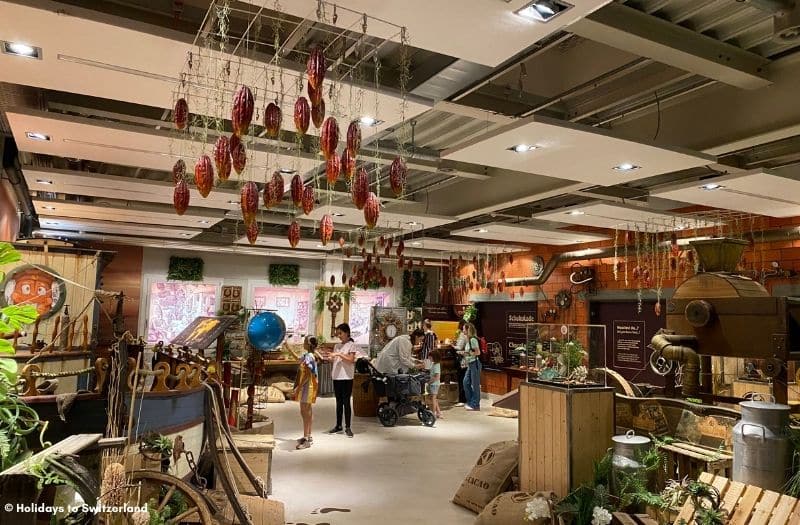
(266,331)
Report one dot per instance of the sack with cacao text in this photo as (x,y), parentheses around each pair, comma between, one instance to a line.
(510,508)
(490,476)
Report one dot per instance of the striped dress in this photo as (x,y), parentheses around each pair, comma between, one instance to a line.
(307,385)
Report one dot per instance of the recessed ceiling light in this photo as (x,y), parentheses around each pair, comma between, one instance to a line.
(43,181)
(186,234)
(575,212)
(370,121)
(543,10)
(22,50)
(233,202)
(49,207)
(35,135)
(416,243)
(680,226)
(51,223)
(626,166)
(203,221)
(522,148)
(320,246)
(413,223)
(481,230)
(337,214)
(711,186)
(288,171)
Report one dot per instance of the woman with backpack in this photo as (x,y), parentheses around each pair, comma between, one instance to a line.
(472,379)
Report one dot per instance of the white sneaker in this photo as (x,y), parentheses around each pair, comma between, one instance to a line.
(459,404)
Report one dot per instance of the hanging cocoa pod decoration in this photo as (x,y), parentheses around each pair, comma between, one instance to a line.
(238,153)
(341,242)
(308,199)
(180,197)
(294,234)
(390,281)
(344,278)
(315,67)
(204,175)
(180,114)
(273,117)
(397,175)
(360,188)
(325,229)
(636,272)
(222,157)
(361,240)
(242,113)
(673,263)
(386,250)
(332,167)
(371,210)
(410,264)
(302,115)
(690,256)
(252,232)
(329,137)
(296,188)
(521,291)
(673,239)
(421,263)
(381,241)
(364,256)
(401,246)
(314,96)
(383,281)
(318,113)
(333,280)
(400,263)
(348,165)
(178,171)
(276,188)
(657,309)
(353,138)
(248,199)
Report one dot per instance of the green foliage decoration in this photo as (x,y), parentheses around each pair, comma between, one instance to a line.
(284,274)
(185,269)
(414,296)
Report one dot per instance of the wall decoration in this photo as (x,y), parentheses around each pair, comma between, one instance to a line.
(415,287)
(33,285)
(231,300)
(174,305)
(387,323)
(284,274)
(203,331)
(291,304)
(185,269)
(361,304)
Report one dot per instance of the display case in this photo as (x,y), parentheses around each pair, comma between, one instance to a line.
(567,353)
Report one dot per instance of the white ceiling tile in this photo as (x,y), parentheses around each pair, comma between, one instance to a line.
(573,152)
(56,223)
(405,219)
(617,216)
(456,246)
(498,231)
(282,242)
(142,214)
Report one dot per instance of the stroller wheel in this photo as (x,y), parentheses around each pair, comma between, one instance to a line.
(387,415)
(426,416)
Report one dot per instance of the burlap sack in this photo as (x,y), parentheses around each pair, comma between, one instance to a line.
(490,476)
(274,395)
(286,387)
(509,509)
(504,412)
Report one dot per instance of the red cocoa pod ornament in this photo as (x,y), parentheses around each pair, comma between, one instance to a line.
(296,188)
(332,168)
(314,96)
(360,188)
(178,171)
(391,281)
(315,67)
(401,247)
(325,229)
(222,157)
(329,137)
(361,240)
(294,234)
(397,175)
(238,153)
(248,199)
(308,199)
(344,278)
(348,165)
(242,113)
(318,113)
(657,309)
(273,117)
(180,197)
(273,192)
(353,138)
(302,115)
(180,113)
(371,210)
(204,175)
(252,232)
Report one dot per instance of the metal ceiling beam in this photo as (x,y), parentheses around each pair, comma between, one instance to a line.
(629,29)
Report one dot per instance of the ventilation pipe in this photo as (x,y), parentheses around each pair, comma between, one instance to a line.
(11,167)
(677,348)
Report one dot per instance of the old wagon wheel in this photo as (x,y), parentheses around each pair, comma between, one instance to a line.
(164,490)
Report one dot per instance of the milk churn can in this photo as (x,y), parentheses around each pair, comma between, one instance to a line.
(628,451)
(762,451)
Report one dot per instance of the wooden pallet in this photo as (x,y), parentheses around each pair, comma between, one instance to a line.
(690,460)
(747,504)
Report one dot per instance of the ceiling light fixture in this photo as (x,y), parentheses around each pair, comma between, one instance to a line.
(412,223)
(21,50)
(711,186)
(43,181)
(49,207)
(416,243)
(522,148)
(186,234)
(287,171)
(320,246)
(576,212)
(543,10)
(626,166)
(481,230)
(233,202)
(337,214)
(203,221)
(370,121)
(35,135)
(51,223)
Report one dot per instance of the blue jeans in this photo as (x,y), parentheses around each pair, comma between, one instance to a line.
(472,384)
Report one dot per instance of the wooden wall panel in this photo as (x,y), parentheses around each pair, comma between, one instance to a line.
(122,274)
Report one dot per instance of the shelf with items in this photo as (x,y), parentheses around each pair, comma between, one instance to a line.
(563,353)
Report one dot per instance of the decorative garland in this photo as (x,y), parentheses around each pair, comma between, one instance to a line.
(185,269)
(322,293)
(415,286)
(284,274)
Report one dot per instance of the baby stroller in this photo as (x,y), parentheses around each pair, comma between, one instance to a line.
(404,392)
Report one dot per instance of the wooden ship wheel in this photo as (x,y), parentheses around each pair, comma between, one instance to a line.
(185,503)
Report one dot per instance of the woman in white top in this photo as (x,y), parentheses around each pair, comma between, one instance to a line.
(344,357)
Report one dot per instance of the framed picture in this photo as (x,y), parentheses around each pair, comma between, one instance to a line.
(35,285)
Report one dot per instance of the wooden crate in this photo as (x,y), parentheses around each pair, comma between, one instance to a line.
(747,504)
(256,449)
(690,460)
(562,432)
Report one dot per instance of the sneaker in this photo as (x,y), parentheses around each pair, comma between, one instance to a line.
(348,432)
(459,404)
(305,444)
(301,440)
(334,430)
(467,407)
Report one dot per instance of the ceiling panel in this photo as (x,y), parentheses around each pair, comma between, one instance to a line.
(93,61)
(759,192)
(282,242)
(573,152)
(63,224)
(450,27)
(143,214)
(406,219)
(617,216)
(498,231)
(452,245)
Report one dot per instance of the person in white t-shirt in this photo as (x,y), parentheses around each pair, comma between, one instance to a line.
(397,356)
(344,357)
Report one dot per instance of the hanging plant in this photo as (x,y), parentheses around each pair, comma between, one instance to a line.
(185,269)
(284,274)
(415,285)
(324,291)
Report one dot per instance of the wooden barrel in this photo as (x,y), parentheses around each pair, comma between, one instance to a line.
(365,400)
